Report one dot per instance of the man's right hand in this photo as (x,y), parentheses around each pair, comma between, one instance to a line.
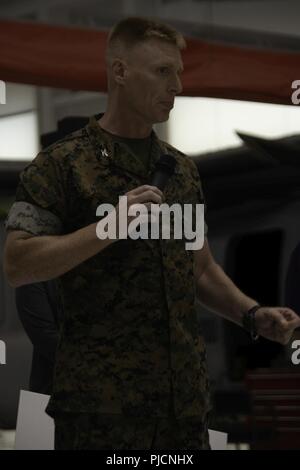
(145,195)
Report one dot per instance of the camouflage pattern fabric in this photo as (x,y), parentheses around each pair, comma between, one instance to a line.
(114,432)
(130,325)
(29,217)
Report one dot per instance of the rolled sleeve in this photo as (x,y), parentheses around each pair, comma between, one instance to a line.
(33,219)
(40,203)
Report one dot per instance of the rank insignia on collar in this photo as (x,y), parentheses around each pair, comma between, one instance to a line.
(104,152)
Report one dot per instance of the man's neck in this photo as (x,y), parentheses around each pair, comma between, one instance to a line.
(123,124)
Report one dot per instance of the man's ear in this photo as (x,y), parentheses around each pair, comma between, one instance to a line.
(119,69)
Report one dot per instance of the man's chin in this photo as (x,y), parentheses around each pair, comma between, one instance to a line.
(163,118)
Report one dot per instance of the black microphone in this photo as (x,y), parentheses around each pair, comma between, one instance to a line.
(164,168)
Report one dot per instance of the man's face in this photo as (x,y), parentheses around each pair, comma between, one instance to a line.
(153,79)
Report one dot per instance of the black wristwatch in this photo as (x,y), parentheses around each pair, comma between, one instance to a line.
(249,322)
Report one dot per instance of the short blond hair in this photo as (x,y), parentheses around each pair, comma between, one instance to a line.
(134,30)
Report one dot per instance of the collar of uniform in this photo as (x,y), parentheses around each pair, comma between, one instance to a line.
(159,148)
(110,152)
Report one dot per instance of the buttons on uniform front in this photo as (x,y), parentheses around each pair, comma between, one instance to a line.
(163,249)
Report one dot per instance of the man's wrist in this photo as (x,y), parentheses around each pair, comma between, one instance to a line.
(249,323)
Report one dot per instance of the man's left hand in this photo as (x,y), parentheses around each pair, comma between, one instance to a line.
(276,323)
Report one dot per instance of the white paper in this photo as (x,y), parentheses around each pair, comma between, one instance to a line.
(35,429)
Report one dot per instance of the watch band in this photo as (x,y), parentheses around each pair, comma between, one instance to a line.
(249,322)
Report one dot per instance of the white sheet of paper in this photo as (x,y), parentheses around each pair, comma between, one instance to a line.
(217,440)
(35,429)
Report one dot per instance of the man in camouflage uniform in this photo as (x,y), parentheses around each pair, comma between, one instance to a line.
(130,365)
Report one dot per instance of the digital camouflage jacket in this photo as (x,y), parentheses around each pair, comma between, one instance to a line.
(130,326)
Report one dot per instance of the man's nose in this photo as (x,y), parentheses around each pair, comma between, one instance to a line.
(175,85)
